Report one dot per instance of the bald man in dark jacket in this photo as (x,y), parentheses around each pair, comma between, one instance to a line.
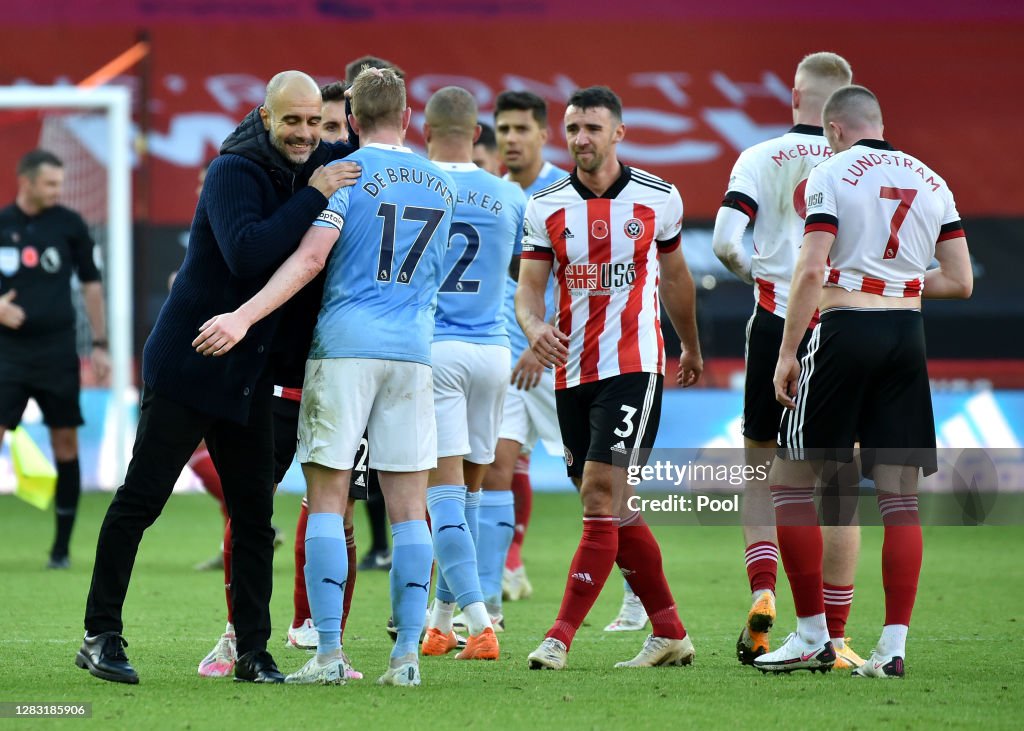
(259,198)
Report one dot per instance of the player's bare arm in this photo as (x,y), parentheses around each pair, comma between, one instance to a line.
(548,343)
(954,277)
(803,301)
(679,297)
(220,334)
(92,296)
(727,242)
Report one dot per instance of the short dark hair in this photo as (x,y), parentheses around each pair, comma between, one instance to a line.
(525,101)
(852,104)
(352,68)
(30,162)
(334,91)
(487,138)
(597,97)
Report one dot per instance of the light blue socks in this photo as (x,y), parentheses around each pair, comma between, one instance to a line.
(412,556)
(326,573)
(497,527)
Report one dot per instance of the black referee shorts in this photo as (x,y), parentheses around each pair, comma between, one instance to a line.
(864,377)
(606,420)
(761,412)
(51,377)
(286,436)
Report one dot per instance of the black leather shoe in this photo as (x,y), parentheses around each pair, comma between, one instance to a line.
(257,666)
(103,656)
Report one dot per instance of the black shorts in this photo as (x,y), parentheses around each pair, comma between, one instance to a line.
(864,378)
(605,421)
(761,412)
(286,435)
(49,374)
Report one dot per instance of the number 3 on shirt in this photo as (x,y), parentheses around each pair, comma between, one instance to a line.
(905,196)
(627,422)
(431,218)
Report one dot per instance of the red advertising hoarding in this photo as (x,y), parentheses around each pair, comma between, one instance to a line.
(697,88)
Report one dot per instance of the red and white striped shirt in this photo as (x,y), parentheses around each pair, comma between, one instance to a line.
(604,253)
(767,184)
(887,210)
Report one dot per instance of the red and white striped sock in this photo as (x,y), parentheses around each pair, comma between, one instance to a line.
(902,551)
(762,560)
(838,600)
(800,546)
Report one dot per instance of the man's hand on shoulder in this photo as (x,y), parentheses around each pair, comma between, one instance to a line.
(220,334)
(11,315)
(328,179)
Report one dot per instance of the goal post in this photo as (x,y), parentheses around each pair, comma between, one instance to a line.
(115,104)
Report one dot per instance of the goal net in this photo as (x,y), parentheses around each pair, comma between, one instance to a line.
(90,131)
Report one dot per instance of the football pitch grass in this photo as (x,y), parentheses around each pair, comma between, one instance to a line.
(963,666)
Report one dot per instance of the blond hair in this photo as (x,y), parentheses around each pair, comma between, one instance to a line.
(828,67)
(378,99)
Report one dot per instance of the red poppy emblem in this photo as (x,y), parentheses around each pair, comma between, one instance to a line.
(29,257)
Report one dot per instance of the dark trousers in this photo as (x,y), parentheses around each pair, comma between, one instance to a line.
(168,433)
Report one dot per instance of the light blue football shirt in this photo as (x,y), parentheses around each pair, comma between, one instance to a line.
(384,272)
(517,339)
(486,228)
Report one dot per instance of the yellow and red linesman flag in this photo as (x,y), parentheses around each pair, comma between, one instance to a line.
(36,476)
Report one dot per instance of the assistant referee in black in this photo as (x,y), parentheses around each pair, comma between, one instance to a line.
(41,244)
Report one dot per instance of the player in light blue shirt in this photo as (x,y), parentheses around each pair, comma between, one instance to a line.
(472,366)
(486,230)
(369,366)
(383,274)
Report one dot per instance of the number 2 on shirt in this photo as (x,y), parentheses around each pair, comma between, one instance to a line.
(905,196)
(454,281)
(431,218)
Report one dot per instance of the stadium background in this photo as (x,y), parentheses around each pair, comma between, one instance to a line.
(699,84)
